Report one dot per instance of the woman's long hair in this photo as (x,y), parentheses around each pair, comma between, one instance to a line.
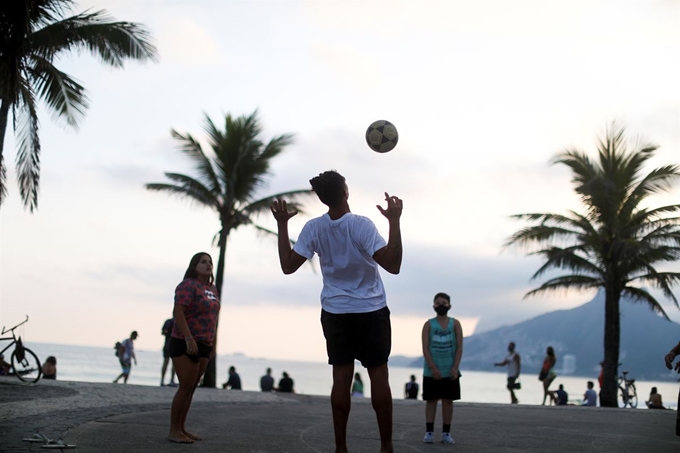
(191,270)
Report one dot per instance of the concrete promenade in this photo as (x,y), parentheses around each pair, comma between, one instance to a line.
(106,418)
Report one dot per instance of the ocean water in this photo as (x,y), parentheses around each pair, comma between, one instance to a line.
(96,364)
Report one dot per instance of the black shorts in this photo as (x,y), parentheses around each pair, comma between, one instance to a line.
(366,337)
(178,348)
(442,389)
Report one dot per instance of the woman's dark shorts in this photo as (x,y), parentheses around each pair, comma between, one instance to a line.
(366,337)
(178,348)
(442,389)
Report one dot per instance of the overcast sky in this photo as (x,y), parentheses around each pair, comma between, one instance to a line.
(483,94)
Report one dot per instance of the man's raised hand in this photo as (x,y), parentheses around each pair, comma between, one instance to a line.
(279,209)
(394,207)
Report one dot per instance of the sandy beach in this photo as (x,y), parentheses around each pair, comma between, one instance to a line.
(112,418)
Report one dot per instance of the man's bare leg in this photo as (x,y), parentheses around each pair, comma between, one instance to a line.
(381,399)
(341,403)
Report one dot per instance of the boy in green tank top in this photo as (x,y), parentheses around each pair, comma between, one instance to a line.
(443,349)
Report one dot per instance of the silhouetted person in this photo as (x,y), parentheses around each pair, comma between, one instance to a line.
(590,397)
(561,397)
(654,401)
(267,381)
(234,381)
(125,357)
(285,384)
(514,363)
(166,331)
(411,389)
(49,368)
(672,355)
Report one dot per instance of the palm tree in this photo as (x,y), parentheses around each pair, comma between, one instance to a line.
(616,242)
(33,34)
(227,179)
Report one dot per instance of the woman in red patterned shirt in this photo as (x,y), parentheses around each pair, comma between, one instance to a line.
(192,342)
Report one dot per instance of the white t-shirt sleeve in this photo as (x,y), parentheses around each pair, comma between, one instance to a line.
(371,240)
(304,246)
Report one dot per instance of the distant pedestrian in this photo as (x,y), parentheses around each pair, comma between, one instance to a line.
(358,386)
(267,381)
(5,367)
(675,352)
(192,345)
(166,331)
(49,368)
(354,314)
(442,339)
(286,384)
(547,374)
(514,363)
(561,397)
(411,389)
(126,354)
(590,397)
(234,381)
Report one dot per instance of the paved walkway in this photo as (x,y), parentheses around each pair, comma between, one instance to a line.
(106,418)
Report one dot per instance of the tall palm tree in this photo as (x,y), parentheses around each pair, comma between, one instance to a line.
(227,180)
(33,34)
(616,242)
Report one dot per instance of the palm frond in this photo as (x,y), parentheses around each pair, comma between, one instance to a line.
(97,32)
(186,187)
(65,97)
(202,163)
(28,150)
(565,283)
(567,258)
(662,280)
(641,296)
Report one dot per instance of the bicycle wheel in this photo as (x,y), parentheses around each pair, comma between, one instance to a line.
(632,396)
(28,369)
(623,400)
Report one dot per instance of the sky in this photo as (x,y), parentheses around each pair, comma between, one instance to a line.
(484,94)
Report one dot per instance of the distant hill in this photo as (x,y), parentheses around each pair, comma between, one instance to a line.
(578,332)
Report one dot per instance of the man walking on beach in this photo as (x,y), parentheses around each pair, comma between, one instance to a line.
(514,364)
(354,315)
(125,356)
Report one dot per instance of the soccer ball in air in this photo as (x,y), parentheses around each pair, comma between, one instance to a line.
(382,136)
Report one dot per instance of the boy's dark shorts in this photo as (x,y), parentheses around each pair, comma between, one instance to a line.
(366,337)
(178,348)
(442,389)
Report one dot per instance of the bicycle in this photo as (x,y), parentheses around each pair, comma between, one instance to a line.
(628,392)
(25,364)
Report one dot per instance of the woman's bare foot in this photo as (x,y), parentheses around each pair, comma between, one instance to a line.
(179,437)
(192,436)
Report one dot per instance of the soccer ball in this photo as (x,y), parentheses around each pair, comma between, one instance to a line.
(382,136)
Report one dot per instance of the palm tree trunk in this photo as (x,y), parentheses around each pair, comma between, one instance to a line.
(210,379)
(612,342)
(4,115)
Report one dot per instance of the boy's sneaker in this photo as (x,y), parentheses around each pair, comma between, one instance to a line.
(447,439)
(429,437)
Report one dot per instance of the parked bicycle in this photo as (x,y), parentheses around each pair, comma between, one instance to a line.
(627,391)
(25,364)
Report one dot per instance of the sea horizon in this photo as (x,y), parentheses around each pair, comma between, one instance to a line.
(99,364)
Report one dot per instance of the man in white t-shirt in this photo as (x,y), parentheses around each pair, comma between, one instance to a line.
(514,364)
(354,315)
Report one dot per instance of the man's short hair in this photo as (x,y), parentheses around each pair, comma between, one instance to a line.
(329,186)
(590,384)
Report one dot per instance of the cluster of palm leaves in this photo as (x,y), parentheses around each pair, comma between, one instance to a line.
(617,242)
(33,34)
(227,179)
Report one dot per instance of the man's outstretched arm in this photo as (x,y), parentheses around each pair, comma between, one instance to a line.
(389,257)
(289,260)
